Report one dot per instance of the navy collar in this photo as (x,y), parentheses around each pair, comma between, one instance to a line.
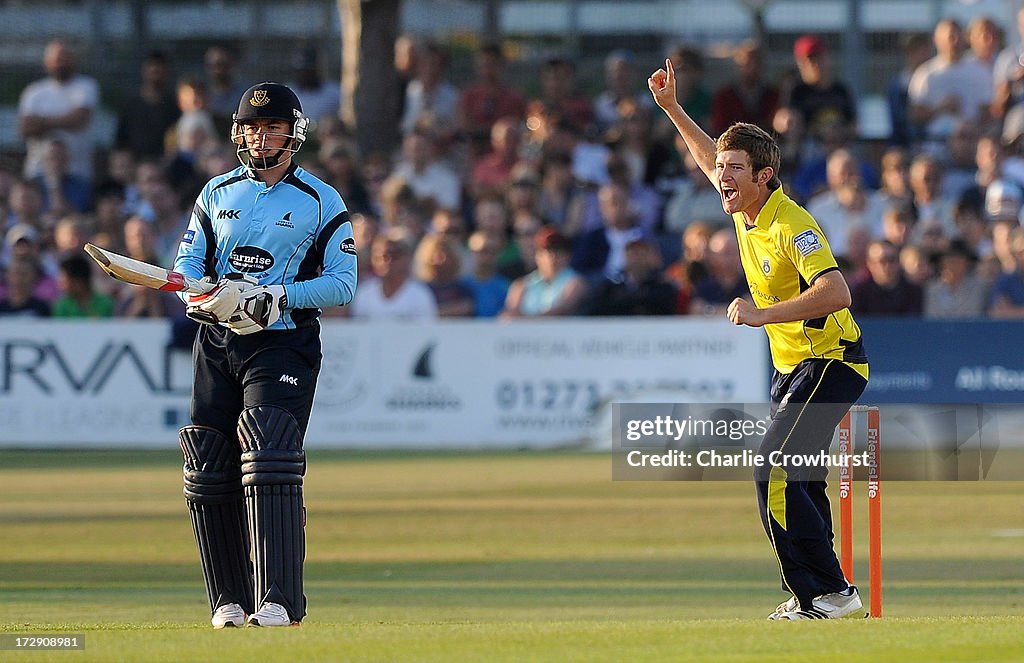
(250,172)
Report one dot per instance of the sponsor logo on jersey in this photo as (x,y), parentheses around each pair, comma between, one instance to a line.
(807,242)
(287,379)
(229,214)
(348,245)
(249,259)
(760,295)
(766,266)
(188,236)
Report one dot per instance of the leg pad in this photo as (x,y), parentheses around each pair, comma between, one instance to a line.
(213,493)
(273,464)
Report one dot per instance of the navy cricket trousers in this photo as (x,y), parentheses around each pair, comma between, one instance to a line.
(807,405)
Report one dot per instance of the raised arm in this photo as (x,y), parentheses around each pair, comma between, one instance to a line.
(663,86)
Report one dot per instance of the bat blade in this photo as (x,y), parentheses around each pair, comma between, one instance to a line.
(141,273)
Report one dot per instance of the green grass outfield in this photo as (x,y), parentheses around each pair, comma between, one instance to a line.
(496,557)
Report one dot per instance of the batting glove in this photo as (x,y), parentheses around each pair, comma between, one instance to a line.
(218,304)
(258,309)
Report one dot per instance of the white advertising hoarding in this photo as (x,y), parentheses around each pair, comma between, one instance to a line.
(111,383)
(450,383)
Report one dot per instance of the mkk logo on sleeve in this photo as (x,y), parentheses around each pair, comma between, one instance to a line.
(807,242)
(229,214)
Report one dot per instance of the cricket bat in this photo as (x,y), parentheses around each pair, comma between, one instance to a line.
(141,273)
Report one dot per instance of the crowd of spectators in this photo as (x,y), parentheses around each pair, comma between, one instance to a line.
(503,204)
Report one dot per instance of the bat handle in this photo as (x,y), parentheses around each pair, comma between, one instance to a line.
(202,317)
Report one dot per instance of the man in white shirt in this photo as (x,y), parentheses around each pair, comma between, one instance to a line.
(430,92)
(62,106)
(946,88)
(428,177)
(847,205)
(620,81)
(393,294)
(984,37)
(1008,74)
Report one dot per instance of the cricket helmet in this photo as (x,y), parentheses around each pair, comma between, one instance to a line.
(268,101)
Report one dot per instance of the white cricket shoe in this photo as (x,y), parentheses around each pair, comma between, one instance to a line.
(786,606)
(829,606)
(270,614)
(228,615)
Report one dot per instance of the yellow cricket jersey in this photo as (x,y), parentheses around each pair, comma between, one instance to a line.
(783,253)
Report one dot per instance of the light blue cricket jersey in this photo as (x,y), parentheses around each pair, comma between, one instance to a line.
(296,233)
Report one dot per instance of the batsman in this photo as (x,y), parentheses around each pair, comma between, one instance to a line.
(274,244)
(801,299)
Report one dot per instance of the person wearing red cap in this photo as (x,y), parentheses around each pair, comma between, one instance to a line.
(817,97)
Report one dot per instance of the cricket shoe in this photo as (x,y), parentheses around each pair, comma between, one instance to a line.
(829,606)
(786,606)
(270,614)
(228,615)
